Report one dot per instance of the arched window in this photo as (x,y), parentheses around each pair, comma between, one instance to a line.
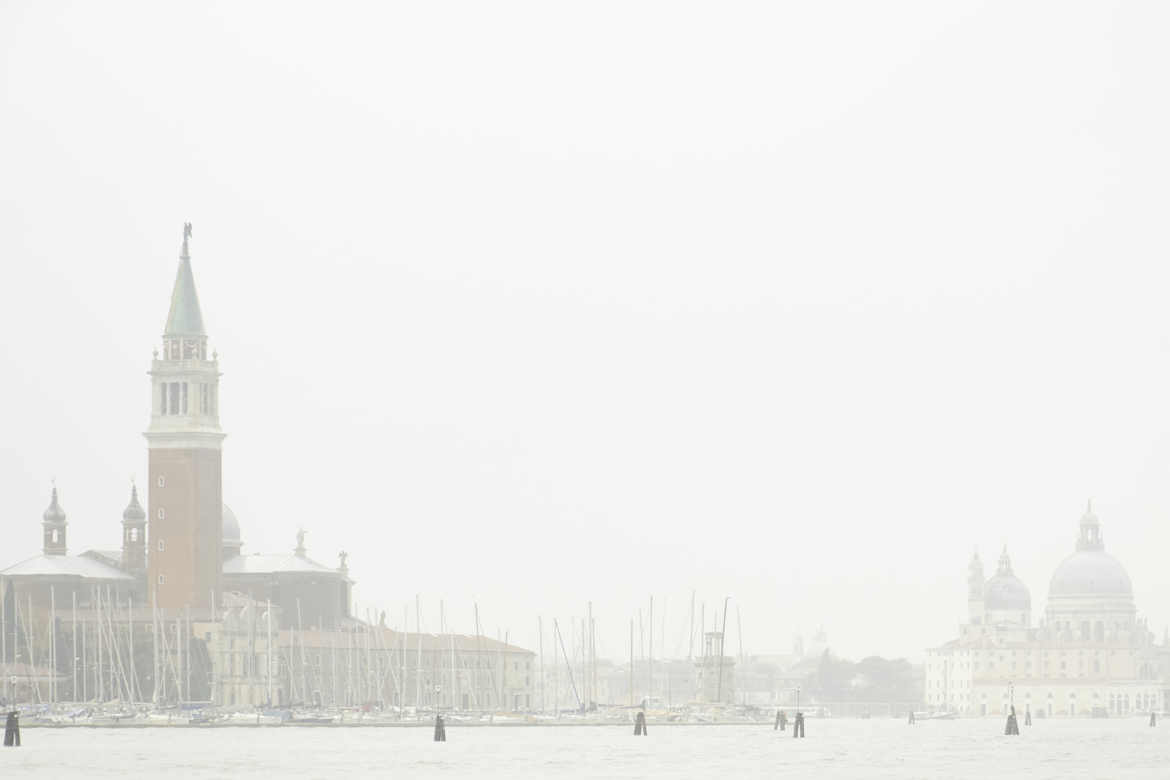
(133,534)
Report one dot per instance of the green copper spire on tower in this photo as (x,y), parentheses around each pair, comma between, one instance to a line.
(185,318)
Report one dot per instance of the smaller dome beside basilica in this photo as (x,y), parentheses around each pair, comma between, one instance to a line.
(1006,591)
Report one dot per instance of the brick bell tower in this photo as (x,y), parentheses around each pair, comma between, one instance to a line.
(184,444)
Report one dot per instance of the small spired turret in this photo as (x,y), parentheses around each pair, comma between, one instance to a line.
(53,521)
(134,534)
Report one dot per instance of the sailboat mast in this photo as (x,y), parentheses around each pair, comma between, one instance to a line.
(722,639)
(130,639)
(631,662)
(478,658)
(418,660)
(593,652)
(540,640)
(650,653)
(268,652)
(73,650)
(691,634)
(568,666)
(97,622)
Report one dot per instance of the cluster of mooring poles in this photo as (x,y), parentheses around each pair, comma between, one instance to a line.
(781,721)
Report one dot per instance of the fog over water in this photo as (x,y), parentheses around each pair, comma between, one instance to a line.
(835,749)
(528,305)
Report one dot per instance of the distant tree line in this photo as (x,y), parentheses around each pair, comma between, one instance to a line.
(872,679)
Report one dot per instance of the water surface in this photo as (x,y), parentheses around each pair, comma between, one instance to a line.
(833,750)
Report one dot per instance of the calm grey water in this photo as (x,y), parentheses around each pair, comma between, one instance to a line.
(834,749)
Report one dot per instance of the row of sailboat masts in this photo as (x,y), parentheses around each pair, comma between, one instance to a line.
(91,651)
(111,648)
(575,651)
(577,656)
(363,664)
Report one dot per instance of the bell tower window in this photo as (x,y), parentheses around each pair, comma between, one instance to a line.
(183,396)
(173,397)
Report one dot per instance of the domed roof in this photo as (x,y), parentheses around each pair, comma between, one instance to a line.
(231,528)
(1090,573)
(134,510)
(54,514)
(1005,590)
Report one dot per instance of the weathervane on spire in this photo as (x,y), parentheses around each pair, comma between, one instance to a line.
(186,235)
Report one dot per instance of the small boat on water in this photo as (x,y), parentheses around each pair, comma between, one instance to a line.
(935,716)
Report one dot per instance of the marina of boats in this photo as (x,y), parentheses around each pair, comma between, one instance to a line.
(66,716)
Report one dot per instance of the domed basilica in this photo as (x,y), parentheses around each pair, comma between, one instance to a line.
(1090,654)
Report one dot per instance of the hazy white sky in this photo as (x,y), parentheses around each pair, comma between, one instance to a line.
(533,304)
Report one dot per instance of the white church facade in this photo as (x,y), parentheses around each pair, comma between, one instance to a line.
(1089,655)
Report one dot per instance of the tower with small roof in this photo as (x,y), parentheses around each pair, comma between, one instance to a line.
(184,545)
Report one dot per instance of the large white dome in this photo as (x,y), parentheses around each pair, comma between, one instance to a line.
(1090,573)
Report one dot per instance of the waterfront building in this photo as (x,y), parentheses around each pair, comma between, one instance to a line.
(181,613)
(1090,654)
